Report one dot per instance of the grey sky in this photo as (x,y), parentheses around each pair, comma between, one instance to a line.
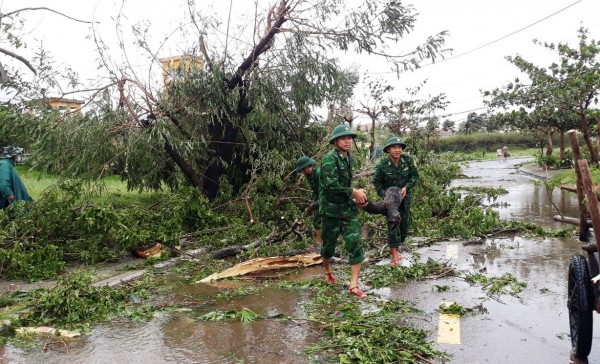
(471,23)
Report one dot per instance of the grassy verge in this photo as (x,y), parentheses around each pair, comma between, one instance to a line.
(482,155)
(111,188)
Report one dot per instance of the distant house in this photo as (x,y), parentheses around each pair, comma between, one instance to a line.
(366,127)
(177,67)
(61,104)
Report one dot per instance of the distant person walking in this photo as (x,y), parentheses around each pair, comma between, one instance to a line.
(11,186)
(505,152)
(499,154)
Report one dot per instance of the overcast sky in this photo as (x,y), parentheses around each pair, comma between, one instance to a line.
(476,29)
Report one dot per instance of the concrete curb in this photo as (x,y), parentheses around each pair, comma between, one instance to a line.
(538,172)
(136,274)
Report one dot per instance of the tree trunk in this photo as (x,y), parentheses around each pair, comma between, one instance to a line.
(186,168)
(598,132)
(585,129)
(223,133)
(549,147)
(372,146)
(561,144)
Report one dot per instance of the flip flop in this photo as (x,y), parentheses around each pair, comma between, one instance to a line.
(355,291)
(329,278)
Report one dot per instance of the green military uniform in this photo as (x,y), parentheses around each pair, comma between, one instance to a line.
(404,175)
(339,215)
(313,181)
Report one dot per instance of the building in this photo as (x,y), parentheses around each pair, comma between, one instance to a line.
(62,104)
(177,67)
(367,126)
(59,103)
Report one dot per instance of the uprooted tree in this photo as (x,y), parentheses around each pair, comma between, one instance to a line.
(223,122)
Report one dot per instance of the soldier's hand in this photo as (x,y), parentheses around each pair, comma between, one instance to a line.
(362,206)
(360,196)
(10,197)
(403,192)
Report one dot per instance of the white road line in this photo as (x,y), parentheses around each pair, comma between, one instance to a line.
(452,251)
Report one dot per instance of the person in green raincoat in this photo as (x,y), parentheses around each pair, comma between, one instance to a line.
(12,188)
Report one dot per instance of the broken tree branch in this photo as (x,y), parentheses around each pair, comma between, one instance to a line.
(43,8)
(272,238)
(20,58)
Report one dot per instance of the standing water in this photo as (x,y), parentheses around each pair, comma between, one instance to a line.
(531,327)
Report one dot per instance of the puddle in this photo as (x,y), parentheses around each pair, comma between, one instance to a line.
(524,328)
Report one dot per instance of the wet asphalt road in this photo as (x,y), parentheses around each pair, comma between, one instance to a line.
(532,327)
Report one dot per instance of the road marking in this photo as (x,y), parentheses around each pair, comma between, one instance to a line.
(448,328)
(452,251)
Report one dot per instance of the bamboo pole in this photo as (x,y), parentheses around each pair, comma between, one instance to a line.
(592,199)
(583,211)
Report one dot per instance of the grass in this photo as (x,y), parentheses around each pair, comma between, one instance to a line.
(481,155)
(112,188)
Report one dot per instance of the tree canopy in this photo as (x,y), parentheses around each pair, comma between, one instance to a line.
(245,108)
(556,95)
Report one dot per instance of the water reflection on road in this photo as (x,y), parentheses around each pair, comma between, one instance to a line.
(526,200)
(529,328)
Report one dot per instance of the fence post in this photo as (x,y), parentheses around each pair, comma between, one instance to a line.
(583,211)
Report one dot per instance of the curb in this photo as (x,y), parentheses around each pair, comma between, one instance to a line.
(541,174)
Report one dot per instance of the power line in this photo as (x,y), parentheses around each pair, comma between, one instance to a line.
(493,41)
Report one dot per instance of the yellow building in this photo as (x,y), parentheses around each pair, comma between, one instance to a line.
(67,105)
(177,67)
(57,103)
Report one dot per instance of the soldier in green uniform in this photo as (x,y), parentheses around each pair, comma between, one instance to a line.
(397,169)
(339,214)
(308,167)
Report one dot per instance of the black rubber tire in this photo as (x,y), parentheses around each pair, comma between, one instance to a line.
(580,302)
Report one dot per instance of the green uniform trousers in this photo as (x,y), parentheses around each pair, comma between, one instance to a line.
(397,235)
(332,228)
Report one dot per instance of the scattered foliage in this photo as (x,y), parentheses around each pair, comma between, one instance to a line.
(75,302)
(506,284)
(244,315)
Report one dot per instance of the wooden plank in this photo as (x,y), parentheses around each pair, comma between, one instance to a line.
(262,264)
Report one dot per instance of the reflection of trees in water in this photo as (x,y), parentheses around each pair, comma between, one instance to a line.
(540,260)
(263,341)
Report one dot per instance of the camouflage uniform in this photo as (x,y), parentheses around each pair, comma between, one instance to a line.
(339,215)
(405,175)
(313,181)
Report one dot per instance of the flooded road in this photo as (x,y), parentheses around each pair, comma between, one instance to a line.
(532,327)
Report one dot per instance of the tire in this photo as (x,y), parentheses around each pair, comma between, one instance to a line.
(580,302)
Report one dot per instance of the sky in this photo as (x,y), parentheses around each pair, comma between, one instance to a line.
(481,34)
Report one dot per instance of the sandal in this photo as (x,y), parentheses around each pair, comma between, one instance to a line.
(357,292)
(329,278)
